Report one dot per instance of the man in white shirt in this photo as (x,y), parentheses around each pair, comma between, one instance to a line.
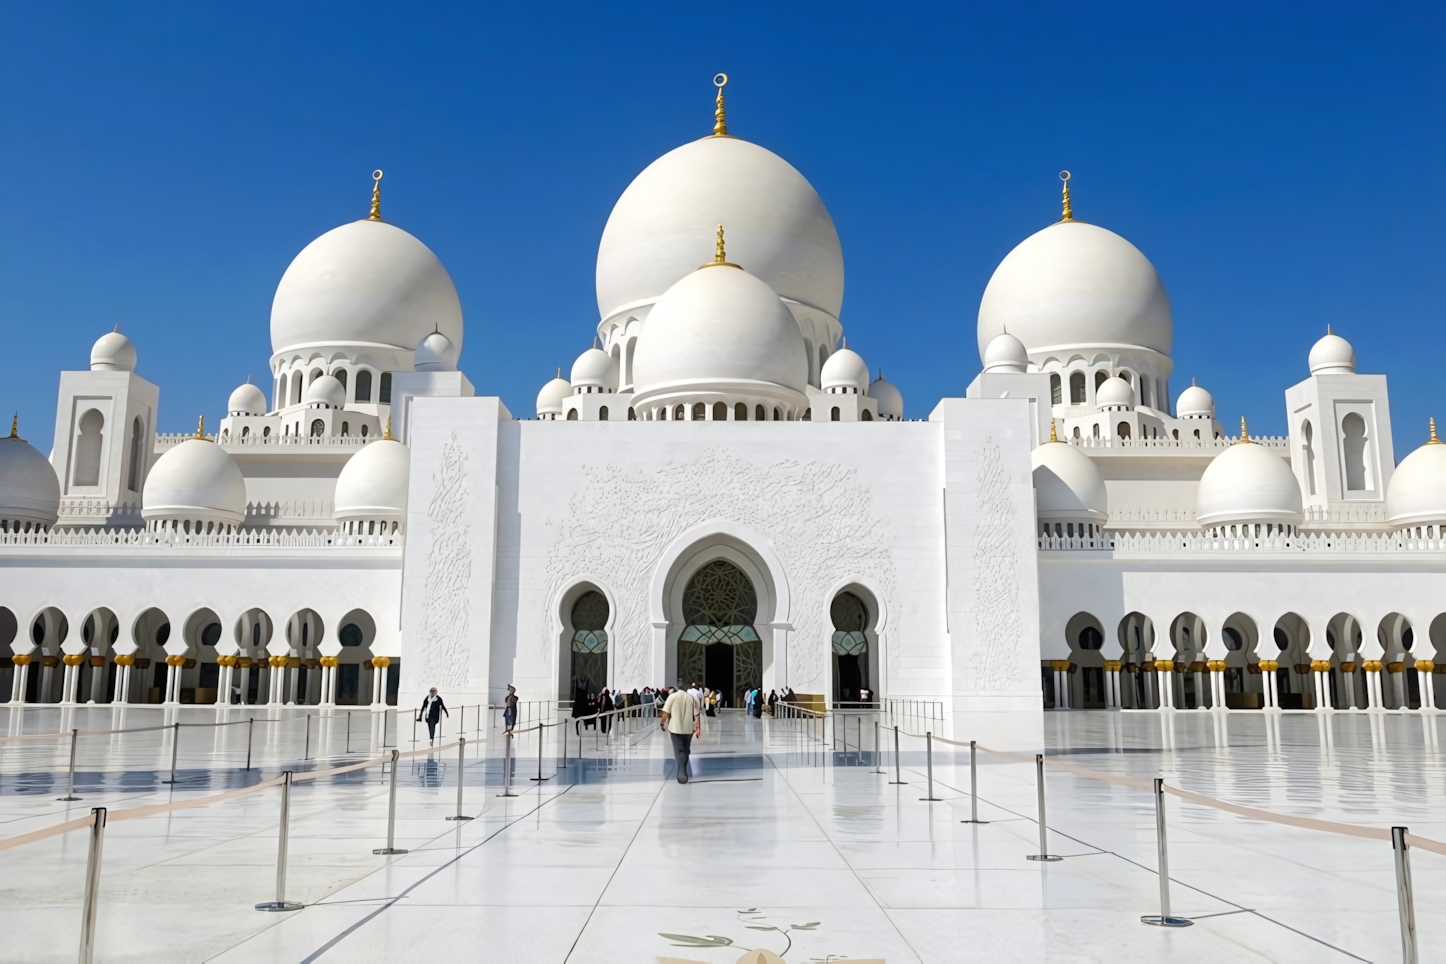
(678,717)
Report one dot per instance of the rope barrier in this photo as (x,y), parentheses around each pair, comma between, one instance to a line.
(140,729)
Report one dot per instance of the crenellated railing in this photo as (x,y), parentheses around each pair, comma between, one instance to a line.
(1250,539)
(277,538)
(289,443)
(1279,443)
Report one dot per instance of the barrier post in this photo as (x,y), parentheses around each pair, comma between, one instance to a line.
(1405,899)
(70,790)
(973,785)
(348,731)
(306,751)
(281,903)
(175,747)
(929,759)
(541,733)
(250,729)
(507,766)
(878,750)
(92,886)
(1044,853)
(1165,919)
(897,780)
(391,847)
(461,772)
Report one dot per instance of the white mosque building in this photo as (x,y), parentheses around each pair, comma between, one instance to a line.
(720,492)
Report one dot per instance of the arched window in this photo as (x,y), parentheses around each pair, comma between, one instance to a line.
(572,415)
(740,412)
(1145,392)
(133,477)
(589,643)
(315,374)
(364,386)
(678,411)
(340,375)
(867,416)
(1077,388)
(345,429)
(777,415)
(364,430)
(700,411)
(602,414)
(850,618)
(296,381)
(1095,429)
(822,357)
(1100,379)
(632,415)
(833,414)
(1358,476)
(266,432)
(759,413)
(720,411)
(1076,431)
(384,393)
(807,415)
(318,428)
(1308,456)
(1056,392)
(1123,430)
(628,362)
(246,431)
(350,635)
(1175,432)
(87,449)
(1090,638)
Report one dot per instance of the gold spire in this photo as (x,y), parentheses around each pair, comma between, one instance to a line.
(1068,211)
(201,427)
(720,121)
(1244,431)
(15,427)
(1433,440)
(376,214)
(1053,435)
(387,432)
(720,255)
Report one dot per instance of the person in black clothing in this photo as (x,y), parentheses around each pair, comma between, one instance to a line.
(431,711)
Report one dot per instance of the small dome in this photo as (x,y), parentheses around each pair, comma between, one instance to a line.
(845,369)
(436,353)
(549,400)
(1075,286)
(247,400)
(720,329)
(196,480)
(326,392)
(890,399)
(1248,483)
(1068,485)
(1005,354)
(1416,494)
(595,369)
(113,352)
(373,483)
(1195,402)
(1115,392)
(1332,355)
(29,488)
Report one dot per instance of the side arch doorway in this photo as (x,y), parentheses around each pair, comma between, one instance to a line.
(719,646)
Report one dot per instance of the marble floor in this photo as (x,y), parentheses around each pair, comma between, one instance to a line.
(778,843)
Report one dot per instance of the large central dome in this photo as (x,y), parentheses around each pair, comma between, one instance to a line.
(663,227)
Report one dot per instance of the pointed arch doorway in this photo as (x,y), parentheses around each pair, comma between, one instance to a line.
(719,646)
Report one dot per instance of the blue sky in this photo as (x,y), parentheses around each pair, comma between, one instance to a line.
(1281,165)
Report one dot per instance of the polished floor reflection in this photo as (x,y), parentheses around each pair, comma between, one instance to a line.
(777,843)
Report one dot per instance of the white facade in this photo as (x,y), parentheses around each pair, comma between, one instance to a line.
(1062,536)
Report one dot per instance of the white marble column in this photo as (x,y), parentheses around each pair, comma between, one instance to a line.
(1424,670)
(1165,683)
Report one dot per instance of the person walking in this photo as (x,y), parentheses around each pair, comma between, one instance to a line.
(509,712)
(679,716)
(431,713)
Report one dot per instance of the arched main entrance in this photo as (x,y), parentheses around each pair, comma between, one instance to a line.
(589,644)
(719,646)
(852,681)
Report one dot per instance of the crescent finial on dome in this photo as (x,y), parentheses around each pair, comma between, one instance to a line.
(376,214)
(720,120)
(1068,210)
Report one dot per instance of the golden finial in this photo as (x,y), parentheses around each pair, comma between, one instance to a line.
(376,214)
(1433,440)
(1244,431)
(1068,211)
(201,427)
(719,255)
(1053,435)
(387,432)
(720,121)
(559,371)
(15,427)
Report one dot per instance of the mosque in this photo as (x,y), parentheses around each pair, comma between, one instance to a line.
(720,491)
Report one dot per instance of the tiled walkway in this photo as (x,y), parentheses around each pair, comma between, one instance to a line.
(772,845)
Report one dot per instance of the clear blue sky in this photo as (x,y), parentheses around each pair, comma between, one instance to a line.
(1281,165)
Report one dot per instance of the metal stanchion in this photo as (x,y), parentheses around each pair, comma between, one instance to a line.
(250,729)
(878,751)
(175,748)
(391,847)
(306,751)
(415,720)
(461,772)
(281,903)
(92,886)
(70,790)
(1405,900)
(1164,919)
(541,732)
(973,785)
(507,767)
(929,759)
(897,778)
(348,731)
(1044,853)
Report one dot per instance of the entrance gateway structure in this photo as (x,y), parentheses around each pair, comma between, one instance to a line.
(720,491)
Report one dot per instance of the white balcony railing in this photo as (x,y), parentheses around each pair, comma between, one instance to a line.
(275,538)
(1234,540)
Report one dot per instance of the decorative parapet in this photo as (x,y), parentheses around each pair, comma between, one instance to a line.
(1247,539)
(243,539)
(273,443)
(1278,443)
(83,513)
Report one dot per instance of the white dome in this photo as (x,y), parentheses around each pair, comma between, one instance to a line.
(1332,355)
(663,227)
(1416,494)
(720,329)
(364,283)
(1076,286)
(595,368)
(436,353)
(1195,402)
(1248,483)
(549,400)
(195,480)
(1115,392)
(1068,486)
(247,400)
(113,352)
(29,488)
(890,399)
(327,392)
(845,369)
(1005,354)
(373,483)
